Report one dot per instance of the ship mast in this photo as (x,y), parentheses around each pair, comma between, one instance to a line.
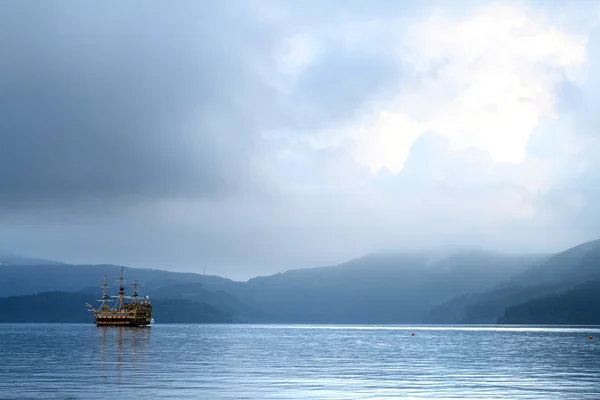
(121,290)
(104,300)
(135,293)
(104,293)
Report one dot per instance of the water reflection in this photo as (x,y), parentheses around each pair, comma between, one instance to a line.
(122,350)
(296,362)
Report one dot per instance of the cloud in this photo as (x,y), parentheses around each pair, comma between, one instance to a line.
(113,102)
(262,136)
(483,80)
(483,83)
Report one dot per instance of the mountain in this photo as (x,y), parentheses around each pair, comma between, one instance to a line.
(483,308)
(577,306)
(387,287)
(570,267)
(556,273)
(379,288)
(67,307)
(31,279)
(7,258)
(239,310)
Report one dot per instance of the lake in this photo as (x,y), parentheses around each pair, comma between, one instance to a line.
(39,361)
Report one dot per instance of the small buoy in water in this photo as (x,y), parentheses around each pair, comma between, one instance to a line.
(591,337)
(413,334)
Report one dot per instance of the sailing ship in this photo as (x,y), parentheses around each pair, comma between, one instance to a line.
(132,313)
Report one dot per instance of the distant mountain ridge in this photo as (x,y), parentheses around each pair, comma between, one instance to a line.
(579,305)
(380,287)
(31,279)
(7,258)
(467,286)
(66,307)
(557,273)
(230,304)
(572,266)
(389,287)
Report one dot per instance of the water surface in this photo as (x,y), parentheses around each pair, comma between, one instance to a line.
(298,362)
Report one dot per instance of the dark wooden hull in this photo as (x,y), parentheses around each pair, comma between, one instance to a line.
(121,322)
(139,318)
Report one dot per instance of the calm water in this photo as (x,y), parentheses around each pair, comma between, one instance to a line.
(298,362)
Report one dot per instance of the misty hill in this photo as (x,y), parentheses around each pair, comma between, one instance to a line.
(163,285)
(30,279)
(565,269)
(557,273)
(379,288)
(66,307)
(7,258)
(483,308)
(239,310)
(577,306)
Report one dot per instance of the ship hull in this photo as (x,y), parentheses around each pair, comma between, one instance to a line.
(138,318)
(120,322)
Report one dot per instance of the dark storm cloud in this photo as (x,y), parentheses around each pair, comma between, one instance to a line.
(145,99)
(134,100)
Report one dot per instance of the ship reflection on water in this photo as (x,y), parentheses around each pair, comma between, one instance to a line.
(123,350)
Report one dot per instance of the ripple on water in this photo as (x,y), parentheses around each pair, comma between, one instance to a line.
(298,362)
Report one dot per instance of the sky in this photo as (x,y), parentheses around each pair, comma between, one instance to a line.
(252,137)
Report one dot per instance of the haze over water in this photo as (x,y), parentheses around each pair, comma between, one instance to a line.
(298,362)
